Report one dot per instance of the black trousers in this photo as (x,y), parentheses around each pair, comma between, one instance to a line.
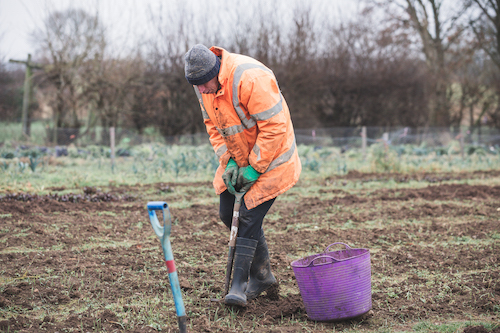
(250,220)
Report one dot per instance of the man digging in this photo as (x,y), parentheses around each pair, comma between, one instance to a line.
(251,131)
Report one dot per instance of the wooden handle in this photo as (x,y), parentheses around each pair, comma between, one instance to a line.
(229,268)
(232,238)
(235,225)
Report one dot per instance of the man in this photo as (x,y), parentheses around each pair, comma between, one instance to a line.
(250,129)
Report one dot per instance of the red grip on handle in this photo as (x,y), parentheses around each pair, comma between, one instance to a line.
(170,266)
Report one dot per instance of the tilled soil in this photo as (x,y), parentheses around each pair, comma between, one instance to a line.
(88,265)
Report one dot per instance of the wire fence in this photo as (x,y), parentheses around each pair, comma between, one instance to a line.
(344,138)
(434,137)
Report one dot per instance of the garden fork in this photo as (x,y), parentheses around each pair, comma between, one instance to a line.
(163,234)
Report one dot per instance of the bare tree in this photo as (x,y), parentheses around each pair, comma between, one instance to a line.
(476,97)
(11,83)
(361,76)
(439,25)
(114,92)
(71,41)
(363,72)
(11,94)
(485,24)
(173,103)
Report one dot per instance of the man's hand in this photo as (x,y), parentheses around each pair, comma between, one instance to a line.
(230,175)
(247,176)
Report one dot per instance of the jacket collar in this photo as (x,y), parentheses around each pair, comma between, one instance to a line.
(224,68)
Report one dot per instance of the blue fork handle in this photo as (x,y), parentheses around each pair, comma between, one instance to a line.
(163,234)
(160,231)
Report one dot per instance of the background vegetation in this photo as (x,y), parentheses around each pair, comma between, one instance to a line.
(413,63)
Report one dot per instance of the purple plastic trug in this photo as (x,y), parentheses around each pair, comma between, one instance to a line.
(335,285)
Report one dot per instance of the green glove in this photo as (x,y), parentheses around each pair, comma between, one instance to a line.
(247,176)
(230,175)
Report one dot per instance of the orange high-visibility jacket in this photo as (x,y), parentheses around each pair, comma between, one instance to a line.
(248,119)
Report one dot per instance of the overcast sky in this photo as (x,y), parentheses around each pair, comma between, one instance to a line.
(18,18)
(126,19)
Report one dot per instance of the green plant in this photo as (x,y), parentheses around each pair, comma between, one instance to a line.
(21,166)
(7,154)
(4,166)
(33,163)
(384,159)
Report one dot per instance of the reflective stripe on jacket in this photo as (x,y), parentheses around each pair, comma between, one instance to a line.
(248,119)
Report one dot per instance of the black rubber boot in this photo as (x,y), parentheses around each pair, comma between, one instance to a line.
(261,277)
(243,256)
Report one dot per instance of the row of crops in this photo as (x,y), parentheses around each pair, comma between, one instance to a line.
(178,159)
(168,157)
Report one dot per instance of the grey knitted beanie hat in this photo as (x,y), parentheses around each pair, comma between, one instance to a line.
(201,65)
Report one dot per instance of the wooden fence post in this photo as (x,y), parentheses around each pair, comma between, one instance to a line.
(363,141)
(462,152)
(112,143)
(385,137)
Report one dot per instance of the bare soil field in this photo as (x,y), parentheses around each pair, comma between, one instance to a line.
(91,262)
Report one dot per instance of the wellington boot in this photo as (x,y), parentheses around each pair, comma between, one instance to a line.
(243,256)
(261,277)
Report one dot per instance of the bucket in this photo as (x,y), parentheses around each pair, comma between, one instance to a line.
(335,285)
